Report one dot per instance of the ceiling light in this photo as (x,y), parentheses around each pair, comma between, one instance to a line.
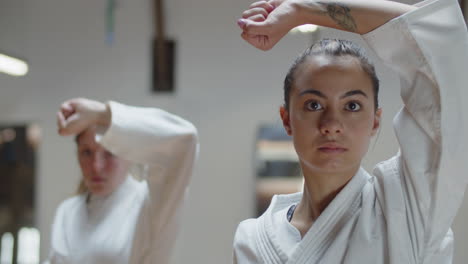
(307,28)
(12,66)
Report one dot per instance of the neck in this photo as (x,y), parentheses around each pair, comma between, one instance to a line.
(320,188)
(112,191)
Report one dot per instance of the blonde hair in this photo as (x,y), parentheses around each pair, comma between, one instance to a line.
(81,188)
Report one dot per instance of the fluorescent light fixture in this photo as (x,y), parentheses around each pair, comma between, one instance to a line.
(6,251)
(28,245)
(307,28)
(12,66)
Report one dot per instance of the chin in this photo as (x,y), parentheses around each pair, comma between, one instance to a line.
(98,190)
(101,193)
(332,169)
(329,166)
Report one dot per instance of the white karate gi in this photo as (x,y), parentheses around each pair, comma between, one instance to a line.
(403,212)
(137,223)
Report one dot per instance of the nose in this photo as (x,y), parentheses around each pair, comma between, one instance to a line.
(330,123)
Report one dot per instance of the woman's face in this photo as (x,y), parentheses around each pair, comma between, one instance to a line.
(331,114)
(102,171)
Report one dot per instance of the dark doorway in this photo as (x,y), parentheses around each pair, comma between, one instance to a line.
(19,239)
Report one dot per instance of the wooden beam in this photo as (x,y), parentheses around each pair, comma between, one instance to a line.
(160,44)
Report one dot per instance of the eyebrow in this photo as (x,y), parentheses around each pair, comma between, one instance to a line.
(320,94)
(354,92)
(312,91)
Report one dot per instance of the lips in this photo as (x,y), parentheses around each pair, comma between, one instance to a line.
(332,147)
(97,179)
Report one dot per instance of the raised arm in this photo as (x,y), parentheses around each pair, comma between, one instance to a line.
(168,146)
(164,144)
(428,49)
(265,23)
(76,115)
(148,136)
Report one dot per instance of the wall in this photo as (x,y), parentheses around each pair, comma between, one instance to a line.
(224,87)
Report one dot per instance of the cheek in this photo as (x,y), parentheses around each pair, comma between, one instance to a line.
(360,133)
(303,122)
(361,125)
(85,166)
(304,132)
(111,167)
(117,167)
(358,126)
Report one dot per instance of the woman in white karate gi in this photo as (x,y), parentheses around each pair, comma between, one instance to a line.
(119,219)
(402,213)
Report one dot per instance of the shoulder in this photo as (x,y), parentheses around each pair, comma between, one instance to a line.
(69,205)
(65,212)
(389,173)
(72,201)
(278,202)
(246,230)
(245,245)
(61,226)
(247,238)
(390,166)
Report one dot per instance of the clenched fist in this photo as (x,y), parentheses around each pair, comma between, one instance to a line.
(78,114)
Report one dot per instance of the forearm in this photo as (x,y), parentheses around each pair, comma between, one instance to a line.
(148,135)
(78,114)
(104,116)
(358,16)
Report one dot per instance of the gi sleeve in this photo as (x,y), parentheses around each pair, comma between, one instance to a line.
(428,48)
(167,145)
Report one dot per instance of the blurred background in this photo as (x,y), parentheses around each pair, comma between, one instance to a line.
(105,50)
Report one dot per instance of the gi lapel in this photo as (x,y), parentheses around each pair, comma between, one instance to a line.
(267,240)
(323,231)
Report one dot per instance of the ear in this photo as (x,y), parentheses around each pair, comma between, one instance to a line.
(284,114)
(376,126)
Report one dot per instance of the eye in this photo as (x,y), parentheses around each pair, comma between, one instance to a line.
(86,152)
(313,106)
(353,106)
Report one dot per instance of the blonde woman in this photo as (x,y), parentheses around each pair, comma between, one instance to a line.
(116,218)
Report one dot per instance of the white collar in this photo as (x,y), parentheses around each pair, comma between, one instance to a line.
(321,232)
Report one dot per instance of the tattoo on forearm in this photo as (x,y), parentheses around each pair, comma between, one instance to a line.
(341,14)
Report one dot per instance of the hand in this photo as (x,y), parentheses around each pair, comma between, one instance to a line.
(76,115)
(265,23)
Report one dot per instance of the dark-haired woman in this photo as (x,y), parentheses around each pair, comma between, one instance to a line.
(402,212)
